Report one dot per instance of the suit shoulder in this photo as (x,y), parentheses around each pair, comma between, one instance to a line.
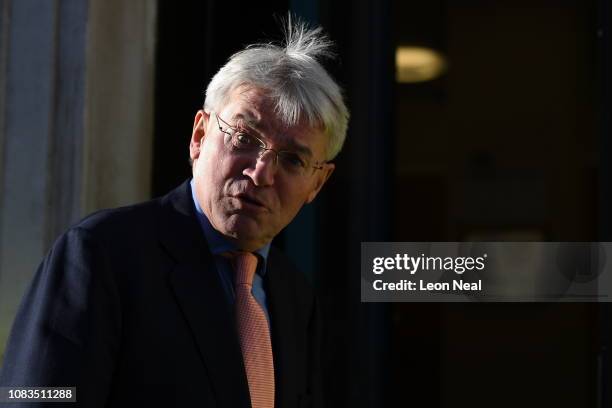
(141,216)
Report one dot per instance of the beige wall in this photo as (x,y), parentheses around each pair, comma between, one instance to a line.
(75,123)
(119,109)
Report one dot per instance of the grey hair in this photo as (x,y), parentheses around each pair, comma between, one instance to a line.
(293,77)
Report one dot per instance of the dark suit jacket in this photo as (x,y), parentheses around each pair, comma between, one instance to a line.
(127,306)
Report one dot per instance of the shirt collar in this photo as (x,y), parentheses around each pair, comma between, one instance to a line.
(217,243)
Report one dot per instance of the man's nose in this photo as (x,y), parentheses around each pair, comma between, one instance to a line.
(263,170)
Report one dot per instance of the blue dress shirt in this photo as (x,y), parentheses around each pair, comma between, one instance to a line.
(218,245)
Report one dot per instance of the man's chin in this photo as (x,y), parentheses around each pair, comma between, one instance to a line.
(245,229)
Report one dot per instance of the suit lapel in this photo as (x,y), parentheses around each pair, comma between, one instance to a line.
(200,296)
(283,320)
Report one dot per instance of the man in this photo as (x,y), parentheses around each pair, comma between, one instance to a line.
(181,301)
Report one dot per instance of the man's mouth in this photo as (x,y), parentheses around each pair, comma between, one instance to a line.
(245,198)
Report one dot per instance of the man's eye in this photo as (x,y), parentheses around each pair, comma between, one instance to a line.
(292,160)
(245,140)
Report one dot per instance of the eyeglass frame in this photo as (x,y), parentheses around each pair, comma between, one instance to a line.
(263,146)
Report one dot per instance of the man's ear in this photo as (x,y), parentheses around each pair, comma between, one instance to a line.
(198,134)
(322,177)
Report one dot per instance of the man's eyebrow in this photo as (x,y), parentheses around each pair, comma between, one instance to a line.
(250,120)
(298,148)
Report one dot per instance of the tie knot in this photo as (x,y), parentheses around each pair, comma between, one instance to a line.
(244,265)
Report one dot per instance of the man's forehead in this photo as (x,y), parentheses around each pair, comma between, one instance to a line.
(256,108)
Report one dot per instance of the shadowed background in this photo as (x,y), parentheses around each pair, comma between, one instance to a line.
(508,141)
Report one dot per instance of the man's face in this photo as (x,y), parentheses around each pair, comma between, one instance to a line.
(247,198)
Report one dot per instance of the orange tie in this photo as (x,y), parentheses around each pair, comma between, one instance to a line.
(254,333)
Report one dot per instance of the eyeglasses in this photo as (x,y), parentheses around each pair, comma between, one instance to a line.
(244,143)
